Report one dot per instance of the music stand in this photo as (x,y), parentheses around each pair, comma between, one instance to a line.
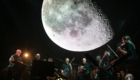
(41,69)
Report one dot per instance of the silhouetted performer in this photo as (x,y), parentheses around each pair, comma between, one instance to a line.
(14,70)
(51,60)
(37,56)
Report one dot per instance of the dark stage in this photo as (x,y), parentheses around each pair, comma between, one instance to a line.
(22,28)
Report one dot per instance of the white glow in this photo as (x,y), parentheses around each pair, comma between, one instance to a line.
(76,27)
(26,55)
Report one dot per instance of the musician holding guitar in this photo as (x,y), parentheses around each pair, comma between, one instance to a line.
(66,68)
(83,70)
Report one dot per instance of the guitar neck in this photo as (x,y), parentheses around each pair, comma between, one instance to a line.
(66,68)
(68,65)
(71,61)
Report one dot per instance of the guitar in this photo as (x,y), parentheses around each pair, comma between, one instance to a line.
(80,69)
(63,71)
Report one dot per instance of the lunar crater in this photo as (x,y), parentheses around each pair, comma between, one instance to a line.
(74,33)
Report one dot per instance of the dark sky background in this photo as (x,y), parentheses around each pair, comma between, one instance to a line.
(21,28)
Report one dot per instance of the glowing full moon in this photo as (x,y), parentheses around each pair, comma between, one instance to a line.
(75,25)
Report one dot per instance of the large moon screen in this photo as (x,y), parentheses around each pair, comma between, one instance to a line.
(76,25)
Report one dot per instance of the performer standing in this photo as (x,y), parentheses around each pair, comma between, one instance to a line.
(83,70)
(14,69)
(64,66)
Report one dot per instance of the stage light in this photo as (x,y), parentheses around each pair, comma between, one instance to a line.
(26,55)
